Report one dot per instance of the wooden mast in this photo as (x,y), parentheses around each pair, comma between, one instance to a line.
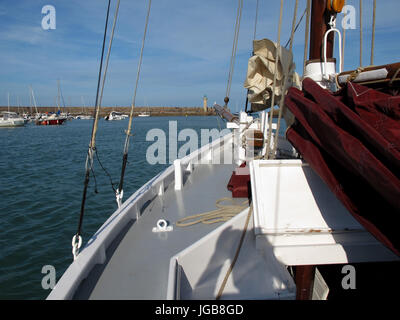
(319,26)
(320,17)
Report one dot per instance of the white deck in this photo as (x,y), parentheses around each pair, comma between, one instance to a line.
(138,269)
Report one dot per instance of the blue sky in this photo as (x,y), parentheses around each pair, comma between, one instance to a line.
(186,55)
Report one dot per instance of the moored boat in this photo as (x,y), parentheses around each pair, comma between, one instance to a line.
(50,120)
(114,115)
(11,119)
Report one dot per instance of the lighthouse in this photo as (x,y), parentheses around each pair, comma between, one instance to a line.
(205,103)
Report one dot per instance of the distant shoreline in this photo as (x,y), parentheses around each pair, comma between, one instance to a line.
(154,111)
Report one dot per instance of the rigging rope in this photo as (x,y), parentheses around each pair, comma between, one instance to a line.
(108,55)
(228,273)
(100,98)
(285,82)
(361,35)
(307,32)
(373,34)
(254,38)
(105,170)
(293,25)
(343,43)
(297,26)
(223,213)
(274,83)
(77,239)
(234,48)
(255,23)
(394,77)
(119,192)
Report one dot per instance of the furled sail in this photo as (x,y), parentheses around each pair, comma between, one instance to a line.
(260,74)
(351,138)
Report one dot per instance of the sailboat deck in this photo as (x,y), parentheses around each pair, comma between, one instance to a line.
(137,265)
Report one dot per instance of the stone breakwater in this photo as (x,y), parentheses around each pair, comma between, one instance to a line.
(154,111)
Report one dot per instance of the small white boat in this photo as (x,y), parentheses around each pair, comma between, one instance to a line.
(144,114)
(84,117)
(11,119)
(114,115)
(87,117)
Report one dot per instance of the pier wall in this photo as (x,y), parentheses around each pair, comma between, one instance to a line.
(154,111)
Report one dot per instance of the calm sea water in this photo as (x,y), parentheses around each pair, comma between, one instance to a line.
(41,183)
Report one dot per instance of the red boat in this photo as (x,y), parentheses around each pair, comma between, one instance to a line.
(53,118)
(50,122)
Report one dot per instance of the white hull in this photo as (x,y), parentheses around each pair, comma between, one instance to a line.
(11,123)
(83,117)
(115,116)
(11,119)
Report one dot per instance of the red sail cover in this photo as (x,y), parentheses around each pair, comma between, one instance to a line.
(239,184)
(351,138)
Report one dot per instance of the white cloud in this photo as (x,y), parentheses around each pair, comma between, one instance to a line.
(27,34)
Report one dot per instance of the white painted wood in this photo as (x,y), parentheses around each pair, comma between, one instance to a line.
(178,174)
(297,215)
